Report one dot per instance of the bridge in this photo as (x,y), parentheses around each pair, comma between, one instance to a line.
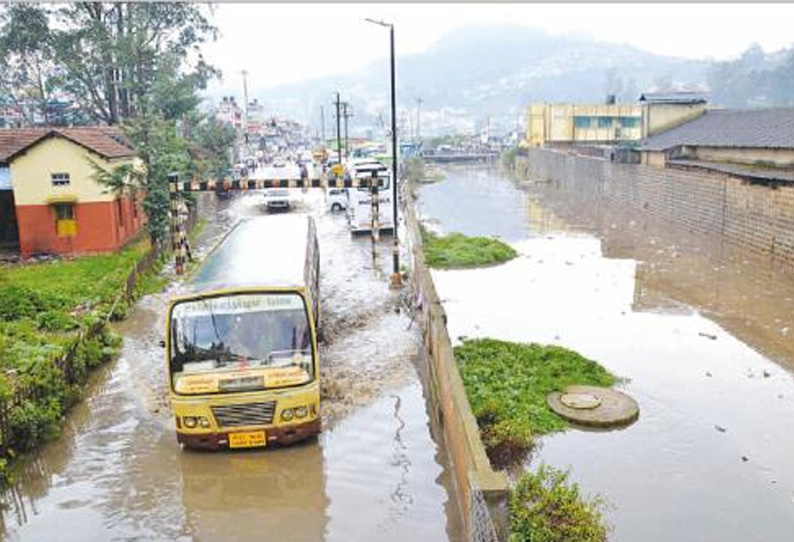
(460,157)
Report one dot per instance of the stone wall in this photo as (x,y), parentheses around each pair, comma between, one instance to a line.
(754,216)
(481,492)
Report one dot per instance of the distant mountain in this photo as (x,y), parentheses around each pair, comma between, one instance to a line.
(755,79)
(482,72)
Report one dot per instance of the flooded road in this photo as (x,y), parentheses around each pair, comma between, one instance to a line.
(698,330)
(375,473)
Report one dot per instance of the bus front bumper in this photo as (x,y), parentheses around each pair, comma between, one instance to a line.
(284,435)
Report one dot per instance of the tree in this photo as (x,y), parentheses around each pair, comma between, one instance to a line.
(26,59)
(110,51)
(138,65)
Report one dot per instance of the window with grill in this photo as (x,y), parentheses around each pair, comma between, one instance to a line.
(581,122)
(64,211)
(605,122)
(629,122)
(65,223)
(60,179)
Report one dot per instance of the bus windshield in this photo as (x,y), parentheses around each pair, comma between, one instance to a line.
(240,342)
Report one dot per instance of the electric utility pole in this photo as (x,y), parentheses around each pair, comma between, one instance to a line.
(346,114)
(338,104)
(245,105)
(419,101)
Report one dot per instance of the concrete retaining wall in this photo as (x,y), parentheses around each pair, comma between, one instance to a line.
(471,467)
(757,217)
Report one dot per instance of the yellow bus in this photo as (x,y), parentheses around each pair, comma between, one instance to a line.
(241,348)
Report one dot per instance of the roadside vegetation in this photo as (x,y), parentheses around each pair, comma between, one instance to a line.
(507,384)
(509,158)
(546,507)
(458,251)
(53,331)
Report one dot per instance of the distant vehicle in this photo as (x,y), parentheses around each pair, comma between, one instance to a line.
(278,162)
(277,199)
(359,212)
(337,199)
(364,167)
(241,346)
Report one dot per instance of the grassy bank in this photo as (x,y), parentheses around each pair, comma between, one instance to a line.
(507,384)
(546,507)
(458,251)
(44,308)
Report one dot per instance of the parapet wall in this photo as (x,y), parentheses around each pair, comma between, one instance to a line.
(755,216)
(475,480)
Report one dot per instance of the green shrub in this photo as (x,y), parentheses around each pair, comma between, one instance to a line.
(53,320)
(18,302)
(34,422)
(546,507)
(456,251)
(507,385)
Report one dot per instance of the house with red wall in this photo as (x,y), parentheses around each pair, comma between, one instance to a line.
(55,201)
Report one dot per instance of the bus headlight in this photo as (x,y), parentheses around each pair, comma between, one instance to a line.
(191,422)
(286,415)
(301,412)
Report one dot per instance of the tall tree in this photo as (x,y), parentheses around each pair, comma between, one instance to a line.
(106,53)
(26,59)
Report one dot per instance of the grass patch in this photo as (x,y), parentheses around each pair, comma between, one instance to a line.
(546,507)
(507,384)
(43,307)
(69,284)
(457,251)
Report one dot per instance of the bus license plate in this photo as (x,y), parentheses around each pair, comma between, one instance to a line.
(250,439)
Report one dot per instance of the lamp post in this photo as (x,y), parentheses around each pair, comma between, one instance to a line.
(395,276)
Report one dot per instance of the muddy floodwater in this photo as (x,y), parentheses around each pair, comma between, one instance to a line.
(699,331)
(375,473)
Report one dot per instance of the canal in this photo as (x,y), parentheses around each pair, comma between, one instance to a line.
(698,331)
(375,473)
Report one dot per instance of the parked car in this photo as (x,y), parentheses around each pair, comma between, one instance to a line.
(337,199)
(277,199)
(278,162)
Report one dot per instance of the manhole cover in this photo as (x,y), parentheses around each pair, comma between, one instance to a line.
(580,400)
(594,406)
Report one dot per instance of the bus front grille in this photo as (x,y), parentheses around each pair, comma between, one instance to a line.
(246,414)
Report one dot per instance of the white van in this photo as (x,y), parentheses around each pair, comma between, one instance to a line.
(359,211)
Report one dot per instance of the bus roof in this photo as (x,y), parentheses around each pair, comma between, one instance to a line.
(259,252)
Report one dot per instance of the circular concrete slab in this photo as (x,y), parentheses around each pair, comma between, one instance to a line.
(594,406)
(580,401)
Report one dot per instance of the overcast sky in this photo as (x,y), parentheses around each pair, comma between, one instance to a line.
(283,43)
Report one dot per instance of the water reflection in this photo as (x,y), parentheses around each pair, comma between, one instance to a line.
(710,457)
(252,495)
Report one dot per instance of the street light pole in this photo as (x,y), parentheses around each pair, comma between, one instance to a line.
(396,280)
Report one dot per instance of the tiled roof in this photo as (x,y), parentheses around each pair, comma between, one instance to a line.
(673,97)
(763,173)
(106,141)
(754,128)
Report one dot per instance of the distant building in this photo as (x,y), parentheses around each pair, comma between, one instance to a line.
(566,124)
(761,140)
(228,111)
(54,205)
(664,110)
